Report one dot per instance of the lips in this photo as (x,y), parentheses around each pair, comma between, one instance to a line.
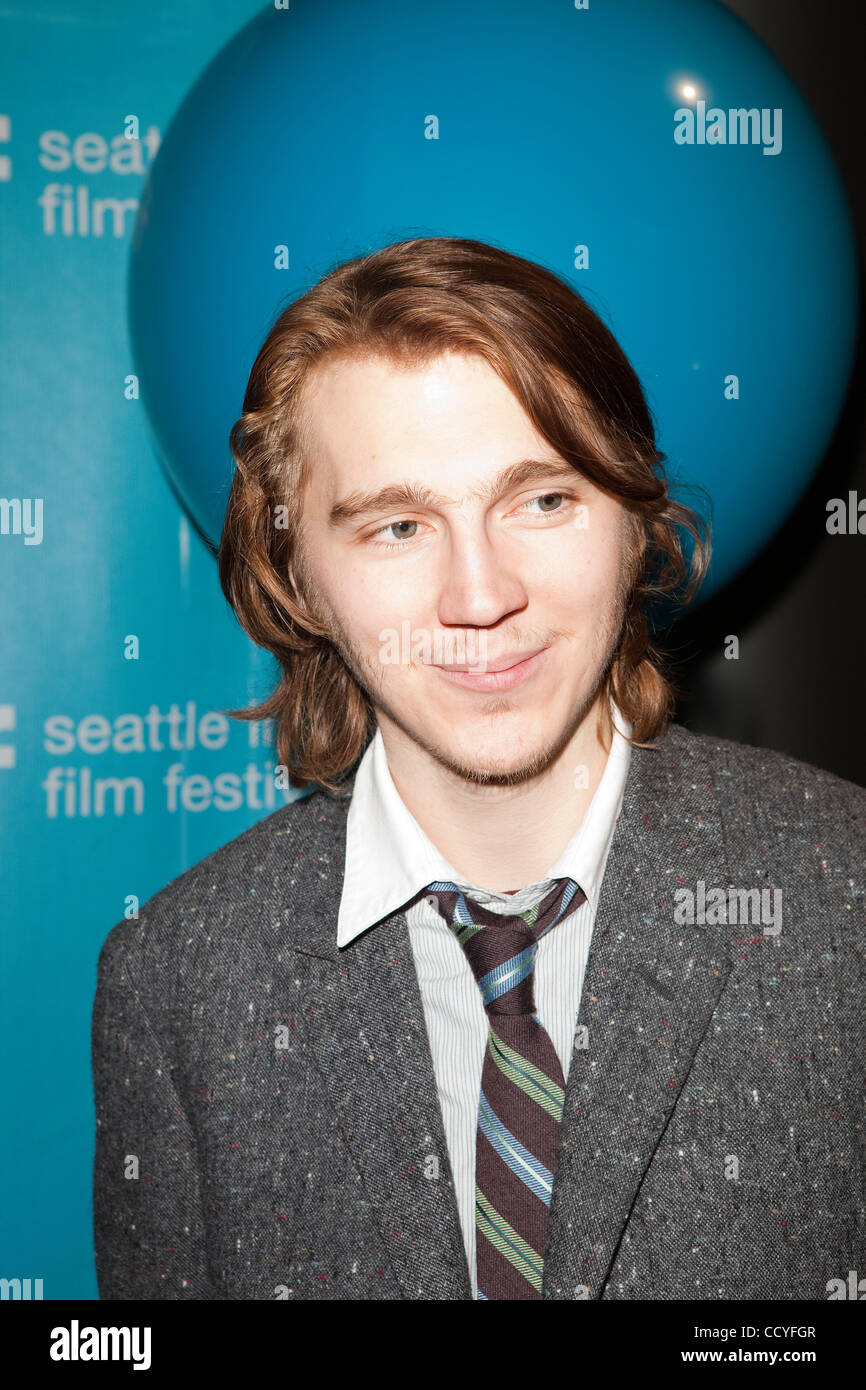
(500,677)
(504,663)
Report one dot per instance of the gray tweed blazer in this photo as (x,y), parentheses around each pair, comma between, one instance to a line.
(267,1117)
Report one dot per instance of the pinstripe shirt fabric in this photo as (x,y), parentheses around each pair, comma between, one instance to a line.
(389,858)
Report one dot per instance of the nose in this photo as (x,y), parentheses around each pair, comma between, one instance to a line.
(479,584)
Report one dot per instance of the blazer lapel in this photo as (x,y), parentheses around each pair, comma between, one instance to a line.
(648,996)
(368,1039)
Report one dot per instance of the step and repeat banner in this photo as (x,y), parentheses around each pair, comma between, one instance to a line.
(117,649)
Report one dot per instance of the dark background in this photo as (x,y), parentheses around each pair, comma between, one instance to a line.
(800,682)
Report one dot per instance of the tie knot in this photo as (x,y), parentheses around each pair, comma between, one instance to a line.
(501,947)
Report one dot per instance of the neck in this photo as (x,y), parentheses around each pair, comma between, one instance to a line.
(501,838)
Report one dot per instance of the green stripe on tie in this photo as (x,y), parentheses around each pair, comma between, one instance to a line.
(540,1087)
(507,1241)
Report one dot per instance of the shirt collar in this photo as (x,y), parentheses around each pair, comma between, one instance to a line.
(389,858)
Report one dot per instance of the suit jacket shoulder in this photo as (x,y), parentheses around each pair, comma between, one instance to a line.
(273,887)
(799,813)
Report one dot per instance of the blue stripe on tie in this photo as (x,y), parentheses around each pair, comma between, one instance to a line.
(534,1174)
(504,977)
(482,1295)
(571,889)
(462,916)
(462,913)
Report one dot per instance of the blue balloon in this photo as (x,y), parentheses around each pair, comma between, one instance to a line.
(664,139)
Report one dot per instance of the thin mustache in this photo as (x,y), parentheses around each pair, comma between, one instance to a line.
(504,663)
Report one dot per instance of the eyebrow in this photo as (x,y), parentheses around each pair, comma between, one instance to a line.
(360,503)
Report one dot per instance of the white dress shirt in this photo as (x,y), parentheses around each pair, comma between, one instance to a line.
(389,858)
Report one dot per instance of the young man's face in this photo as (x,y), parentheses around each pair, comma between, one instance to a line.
(489,572)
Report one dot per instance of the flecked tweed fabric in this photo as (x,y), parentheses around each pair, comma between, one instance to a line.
(280,1099)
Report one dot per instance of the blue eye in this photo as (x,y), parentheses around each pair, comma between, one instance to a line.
(545,497)
(393,525)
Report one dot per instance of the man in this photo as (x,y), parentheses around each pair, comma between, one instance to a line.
(536,995)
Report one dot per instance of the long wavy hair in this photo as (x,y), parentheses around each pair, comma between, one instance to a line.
(409,302)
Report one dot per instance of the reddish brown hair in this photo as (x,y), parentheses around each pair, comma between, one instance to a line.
(409,302)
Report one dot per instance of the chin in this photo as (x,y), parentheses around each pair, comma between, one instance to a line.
(496,763)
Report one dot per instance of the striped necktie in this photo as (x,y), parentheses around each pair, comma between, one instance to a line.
(522,1087)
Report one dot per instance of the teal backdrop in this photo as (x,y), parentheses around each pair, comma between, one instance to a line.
(117,559)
